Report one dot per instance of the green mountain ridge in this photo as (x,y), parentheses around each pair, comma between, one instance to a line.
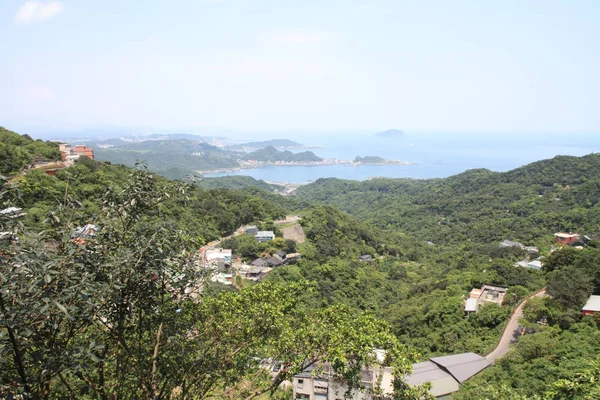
(410,297)
(271,154)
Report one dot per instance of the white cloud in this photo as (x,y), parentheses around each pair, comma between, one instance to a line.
(37,11)
(295,37)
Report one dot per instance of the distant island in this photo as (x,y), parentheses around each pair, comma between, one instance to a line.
(280,143)
(378,160)
(391,133)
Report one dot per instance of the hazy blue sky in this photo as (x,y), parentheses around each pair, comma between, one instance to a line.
(518,66)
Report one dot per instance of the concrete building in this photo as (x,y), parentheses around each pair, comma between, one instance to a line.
(444,373)
(251,230)
(264,236)
(487,294)
(213,256)
(318,383)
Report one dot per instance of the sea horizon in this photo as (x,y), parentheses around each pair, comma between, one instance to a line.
(436,155)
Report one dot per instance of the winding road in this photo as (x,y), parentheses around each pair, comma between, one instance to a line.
(512,330)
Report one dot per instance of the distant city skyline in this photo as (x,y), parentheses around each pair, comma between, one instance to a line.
(267,67)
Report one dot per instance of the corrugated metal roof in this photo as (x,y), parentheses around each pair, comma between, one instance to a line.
(441,382)
(462,366)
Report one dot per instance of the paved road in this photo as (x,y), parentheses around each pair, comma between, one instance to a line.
(512,331)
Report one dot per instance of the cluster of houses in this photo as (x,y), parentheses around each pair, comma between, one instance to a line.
(444,373)
(260,267)
(69,155)
(219,261)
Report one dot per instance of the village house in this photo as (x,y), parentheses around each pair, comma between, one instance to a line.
(217,258)
(264,236)
(487,294)
(259,262)
(533,264)
(566,238)
(254,273)
(592,306)
(292,258)
(251,230)
(366,258)
(444,373)
(510,243)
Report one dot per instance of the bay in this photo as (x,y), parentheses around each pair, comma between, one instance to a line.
(437,155)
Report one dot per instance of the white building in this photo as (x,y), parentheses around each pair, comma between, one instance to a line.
(264,236)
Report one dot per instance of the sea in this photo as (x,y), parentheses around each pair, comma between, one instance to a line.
(436,155)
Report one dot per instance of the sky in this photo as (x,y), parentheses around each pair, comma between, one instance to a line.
(530,66)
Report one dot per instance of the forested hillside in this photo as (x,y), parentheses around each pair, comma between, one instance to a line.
(271,154)
(105,307)
(528,204)
(18,152)
(174,159)
(125,313)
(235,182)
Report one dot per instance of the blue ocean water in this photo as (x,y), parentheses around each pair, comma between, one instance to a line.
(438,155)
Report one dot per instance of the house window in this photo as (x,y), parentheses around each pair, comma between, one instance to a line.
(300,383)
(302,396)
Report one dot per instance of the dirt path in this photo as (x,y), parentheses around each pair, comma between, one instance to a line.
(294,232)
(512,331)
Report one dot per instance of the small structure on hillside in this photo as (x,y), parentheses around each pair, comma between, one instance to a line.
(566,238)
(217,258)
(533,264)
(254,273)
(592,306)
(487,294)
(510,243)
(366,258)
(251,230)
(292,258)
(259,262)
(264,236)
(273,261)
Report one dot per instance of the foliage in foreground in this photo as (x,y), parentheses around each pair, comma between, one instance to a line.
(121,314)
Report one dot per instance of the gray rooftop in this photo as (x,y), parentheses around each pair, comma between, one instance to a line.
(462,366)
(593,304)
(441,381)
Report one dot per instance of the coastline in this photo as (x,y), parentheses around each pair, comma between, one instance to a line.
(325,163)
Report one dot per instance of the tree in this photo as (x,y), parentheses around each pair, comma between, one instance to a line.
(121,314)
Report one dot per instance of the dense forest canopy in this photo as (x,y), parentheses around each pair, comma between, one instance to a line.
(19,151)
